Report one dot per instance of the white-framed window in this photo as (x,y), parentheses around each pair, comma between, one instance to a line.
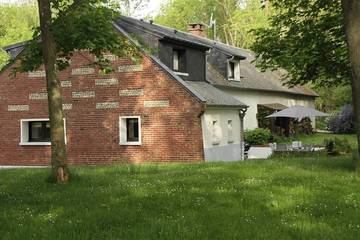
(36,132)
(179,61)
(130,130)
(234,70)
(216,132)
(230,131)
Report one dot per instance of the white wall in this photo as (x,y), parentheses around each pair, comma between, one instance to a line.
(253,98)
(219,148)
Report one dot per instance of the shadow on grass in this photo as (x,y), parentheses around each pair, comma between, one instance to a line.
(275,199)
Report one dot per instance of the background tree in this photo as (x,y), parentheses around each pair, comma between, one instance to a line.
(234,17)
(308,39)
(351,11)
(17,22)
(65,27)
(131,7)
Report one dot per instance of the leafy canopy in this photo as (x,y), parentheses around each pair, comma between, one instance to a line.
(234,18)
(306,38)
(16,25)
(80,25)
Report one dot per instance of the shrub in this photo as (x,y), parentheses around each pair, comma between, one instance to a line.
(344,123)
(337,146)
(258,136)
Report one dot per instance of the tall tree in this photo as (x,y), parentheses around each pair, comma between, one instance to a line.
(234,18)
(351,12)
(56,115)
(316,41)
(65,27)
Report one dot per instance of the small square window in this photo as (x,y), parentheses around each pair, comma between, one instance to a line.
(36,132)
(179,60)
(130,131)
(234,70)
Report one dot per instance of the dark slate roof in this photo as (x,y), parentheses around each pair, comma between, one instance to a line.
(214,96)
(15,49)
(205,92)
(170,33)
(253,79)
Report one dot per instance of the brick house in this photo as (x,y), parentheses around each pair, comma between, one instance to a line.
(179,104)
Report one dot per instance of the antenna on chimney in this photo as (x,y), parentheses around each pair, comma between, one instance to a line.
(212,24)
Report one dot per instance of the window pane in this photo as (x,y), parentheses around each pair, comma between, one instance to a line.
(35,131)
(182,61)
(47,132)
(179,60)
(231,69)
(132,130)
(39,131)
(175,60)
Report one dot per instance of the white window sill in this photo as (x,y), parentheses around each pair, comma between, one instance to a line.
(130,143)
(235,80)
(35,143)
(181,74)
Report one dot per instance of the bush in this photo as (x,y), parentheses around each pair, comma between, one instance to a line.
(337,146)
(344,123)
(258,136)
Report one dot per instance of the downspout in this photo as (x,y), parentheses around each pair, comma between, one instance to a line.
(242,141)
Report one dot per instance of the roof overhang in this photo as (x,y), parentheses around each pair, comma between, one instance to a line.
(274,106)
(186,43)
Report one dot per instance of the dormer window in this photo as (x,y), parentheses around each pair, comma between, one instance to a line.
(179,60)
(234,70)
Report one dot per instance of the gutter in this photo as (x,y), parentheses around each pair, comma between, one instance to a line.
(266,90)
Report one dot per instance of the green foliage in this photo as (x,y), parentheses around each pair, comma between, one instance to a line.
(289,198)
(306,38)
(16,25)
(234,19)
(336,146)
(258,136)
(332,99)
(80,25)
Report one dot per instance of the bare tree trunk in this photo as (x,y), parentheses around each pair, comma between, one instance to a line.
(58,149)
(351,11)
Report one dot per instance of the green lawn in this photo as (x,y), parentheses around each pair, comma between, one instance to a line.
(312,198)
(318,138)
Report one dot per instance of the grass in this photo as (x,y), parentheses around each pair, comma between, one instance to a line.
(311,198)
(318,138)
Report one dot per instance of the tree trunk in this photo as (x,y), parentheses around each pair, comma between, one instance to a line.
(351,12)
(60,169)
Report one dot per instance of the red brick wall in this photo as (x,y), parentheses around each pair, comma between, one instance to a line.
(169,134)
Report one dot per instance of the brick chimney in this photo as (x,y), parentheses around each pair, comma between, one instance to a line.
(197,29)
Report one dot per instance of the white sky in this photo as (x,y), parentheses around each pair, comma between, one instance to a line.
(151,10)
